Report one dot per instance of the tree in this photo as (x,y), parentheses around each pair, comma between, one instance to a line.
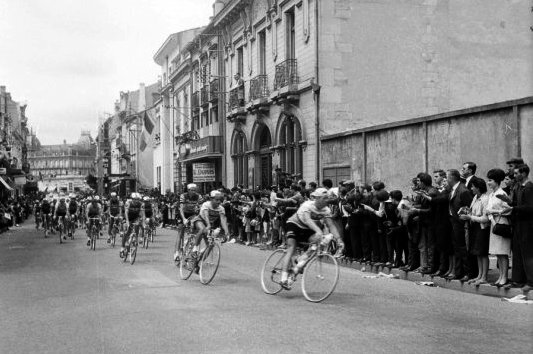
(92,181)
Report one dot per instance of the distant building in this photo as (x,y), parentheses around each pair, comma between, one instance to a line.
(63,167)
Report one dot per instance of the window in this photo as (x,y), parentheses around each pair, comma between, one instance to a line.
(240,160)
(336,174)
(214,115)
(262,53)
(205,119)
(291,155)
(158,173)
(291,35)
(240,62)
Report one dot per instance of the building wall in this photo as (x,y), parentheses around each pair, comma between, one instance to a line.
(276,43)
(386,60)
(487,135)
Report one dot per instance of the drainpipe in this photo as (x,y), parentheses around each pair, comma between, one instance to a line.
(316,90)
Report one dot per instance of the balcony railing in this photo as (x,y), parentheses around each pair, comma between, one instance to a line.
(259,87)
(286,74)
(236,97)
(213,90)
(204,95)
(195,102)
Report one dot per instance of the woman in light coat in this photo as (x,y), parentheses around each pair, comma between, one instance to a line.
(498,245)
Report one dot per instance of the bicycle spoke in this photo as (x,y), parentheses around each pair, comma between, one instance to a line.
(320,277)
(271,273)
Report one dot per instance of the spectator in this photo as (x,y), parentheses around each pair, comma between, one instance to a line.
(468,172)
(479,230)
(498,245)
(522,212)
(460,197)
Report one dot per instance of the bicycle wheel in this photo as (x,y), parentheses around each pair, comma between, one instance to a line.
(187,263)
(113,237)
(271,273)
(133,251)
(146,239)
(320,277)
(94,232)
(209,263)
(60,232)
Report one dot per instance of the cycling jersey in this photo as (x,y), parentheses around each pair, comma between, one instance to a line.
(46,207)
(310,209)
(213,213)
(93,209)
(134,209)
(114,206)
(61,209)
(189,202)
(148,212)
(72,207)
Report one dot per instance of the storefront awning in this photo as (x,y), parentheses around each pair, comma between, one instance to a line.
(196,158)
(4,183)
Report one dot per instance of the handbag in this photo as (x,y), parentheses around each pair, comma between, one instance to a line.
(503,230)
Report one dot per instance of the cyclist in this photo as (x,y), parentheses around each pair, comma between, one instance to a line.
(148,211)
(212,215)
(37,213)
(115,213)
(93,210)
(46,209)
(61,211)
(306,226)
(73,215)
(189,205)
(133,210)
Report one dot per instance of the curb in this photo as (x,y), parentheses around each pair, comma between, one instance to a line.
(484,289)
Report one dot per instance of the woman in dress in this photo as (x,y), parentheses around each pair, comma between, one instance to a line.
(479,230)
(498,245)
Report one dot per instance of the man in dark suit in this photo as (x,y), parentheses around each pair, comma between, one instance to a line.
(522,213)
(468,171)
(460,197)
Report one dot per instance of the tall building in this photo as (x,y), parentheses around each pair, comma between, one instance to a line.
(64,167)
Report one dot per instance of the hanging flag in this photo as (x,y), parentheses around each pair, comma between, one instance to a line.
(148,124)
(142,145)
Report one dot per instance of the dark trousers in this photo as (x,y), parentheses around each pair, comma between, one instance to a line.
(383,250)
(401,249)
(366,240)
(413,231)
(522,258)
(346,238)
(459,247)
(355,237)
(426,246)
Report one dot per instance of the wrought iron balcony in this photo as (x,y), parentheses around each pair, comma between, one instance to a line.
(195,102)
(213,90)
(259,87)
(236,97)
(286,74)
(204,96)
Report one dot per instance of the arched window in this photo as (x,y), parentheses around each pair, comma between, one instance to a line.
(291,151)
(240,160)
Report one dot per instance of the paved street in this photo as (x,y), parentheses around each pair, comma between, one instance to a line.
(65,299)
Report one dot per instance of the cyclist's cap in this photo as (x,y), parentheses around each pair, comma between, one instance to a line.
(113,194)
(320,192)
(146,198)
(192,186)
(216,194)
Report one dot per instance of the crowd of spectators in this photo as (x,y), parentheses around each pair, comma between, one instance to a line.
(446,225)
(15,210)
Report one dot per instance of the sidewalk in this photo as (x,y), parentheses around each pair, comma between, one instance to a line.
(484,289)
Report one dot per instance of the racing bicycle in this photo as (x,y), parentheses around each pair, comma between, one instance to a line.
(131,246)
(320,273)
(206,262)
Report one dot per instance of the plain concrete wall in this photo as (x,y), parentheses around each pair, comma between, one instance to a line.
(395,153)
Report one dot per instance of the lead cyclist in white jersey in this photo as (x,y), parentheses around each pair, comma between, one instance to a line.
(306,225)
(212,215)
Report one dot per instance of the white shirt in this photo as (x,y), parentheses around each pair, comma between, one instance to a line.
(453,190)
(468,179)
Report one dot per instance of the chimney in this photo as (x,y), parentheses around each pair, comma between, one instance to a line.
(217,7)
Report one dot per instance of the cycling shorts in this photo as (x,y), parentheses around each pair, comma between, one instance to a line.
(297,233)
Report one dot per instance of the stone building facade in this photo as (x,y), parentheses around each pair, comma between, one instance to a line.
(64,166)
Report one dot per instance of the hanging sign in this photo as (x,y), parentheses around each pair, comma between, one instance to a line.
(203,172)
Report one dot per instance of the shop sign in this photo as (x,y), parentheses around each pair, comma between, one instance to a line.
(20,181)
(3,171)
(203,172)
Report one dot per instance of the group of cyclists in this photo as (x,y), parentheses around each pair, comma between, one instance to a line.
(200,214)
(68,213)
